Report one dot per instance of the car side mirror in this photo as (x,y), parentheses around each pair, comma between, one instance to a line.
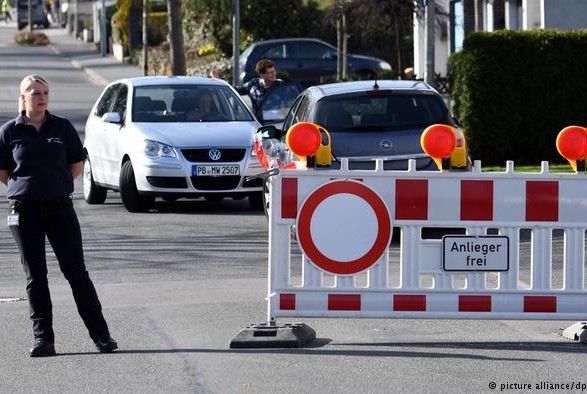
(270,131)
(111,117)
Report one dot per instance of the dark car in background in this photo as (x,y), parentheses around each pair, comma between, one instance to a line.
(38,12)
(308,61)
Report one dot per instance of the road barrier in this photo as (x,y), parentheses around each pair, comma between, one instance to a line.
(473,244)
(343,222)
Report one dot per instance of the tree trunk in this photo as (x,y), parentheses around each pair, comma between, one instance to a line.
(176,49)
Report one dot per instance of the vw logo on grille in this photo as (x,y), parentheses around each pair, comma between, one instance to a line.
(386,145)
(214,154)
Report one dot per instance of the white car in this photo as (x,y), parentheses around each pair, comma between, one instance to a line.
(146,138)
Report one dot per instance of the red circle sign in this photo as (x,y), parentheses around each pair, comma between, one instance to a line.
(338,207)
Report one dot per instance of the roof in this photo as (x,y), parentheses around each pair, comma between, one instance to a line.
(289,39)
(171,80)
(331,89)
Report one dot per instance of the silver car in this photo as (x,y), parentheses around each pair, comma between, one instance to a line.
(369,120)
(170,137)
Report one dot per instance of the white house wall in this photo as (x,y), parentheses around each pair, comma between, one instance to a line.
(519,15)
(441,46)
(564,14)
(532,14)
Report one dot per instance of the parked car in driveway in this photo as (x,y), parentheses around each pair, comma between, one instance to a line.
(308,61)
(148,137)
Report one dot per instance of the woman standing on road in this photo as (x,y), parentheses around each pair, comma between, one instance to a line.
(40,156)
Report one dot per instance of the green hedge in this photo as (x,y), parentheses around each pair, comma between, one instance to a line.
(157,21)
(514,91)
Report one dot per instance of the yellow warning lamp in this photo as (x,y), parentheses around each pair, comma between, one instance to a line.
(571,143)
(304,139)
(324,154)
(439,142)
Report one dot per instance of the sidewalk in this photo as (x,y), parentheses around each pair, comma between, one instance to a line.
(101,69)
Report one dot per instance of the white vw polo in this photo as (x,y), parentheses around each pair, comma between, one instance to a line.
(170,137)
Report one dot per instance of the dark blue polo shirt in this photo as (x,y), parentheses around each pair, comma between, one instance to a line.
(39,163)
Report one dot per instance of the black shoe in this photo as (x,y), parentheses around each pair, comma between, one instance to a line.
(106,344)
(42,348)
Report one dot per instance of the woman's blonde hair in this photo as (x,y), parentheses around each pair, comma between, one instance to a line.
(26,85)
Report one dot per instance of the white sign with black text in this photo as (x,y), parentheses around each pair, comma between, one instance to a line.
(475,253)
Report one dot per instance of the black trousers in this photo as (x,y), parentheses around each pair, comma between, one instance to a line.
(56,220)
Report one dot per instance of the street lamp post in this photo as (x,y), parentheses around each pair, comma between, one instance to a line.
(145,57)
(103,36)
(235,40)
(75,20)
(341,43)
(429,76)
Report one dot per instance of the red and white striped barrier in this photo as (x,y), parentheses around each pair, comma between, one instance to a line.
(496,263)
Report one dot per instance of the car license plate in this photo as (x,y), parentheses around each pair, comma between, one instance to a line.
(472,253)
(202,170)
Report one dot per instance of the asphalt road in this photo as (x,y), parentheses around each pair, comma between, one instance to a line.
(179,282)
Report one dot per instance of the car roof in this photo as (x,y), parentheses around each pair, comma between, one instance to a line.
(332,89)
(292,39)
(171,80)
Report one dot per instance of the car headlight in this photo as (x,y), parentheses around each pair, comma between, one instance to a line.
(155,150)
(384,66)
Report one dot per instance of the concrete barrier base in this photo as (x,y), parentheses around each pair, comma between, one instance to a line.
(264,335)
(576,332)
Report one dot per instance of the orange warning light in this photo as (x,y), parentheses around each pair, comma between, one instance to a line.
(303,139)
(571,142)
(438,141)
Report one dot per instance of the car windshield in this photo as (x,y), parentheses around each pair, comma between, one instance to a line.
(188,103)
(380,111)
(278,101)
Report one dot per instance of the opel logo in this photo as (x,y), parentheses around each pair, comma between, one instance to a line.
(385,145)
(214,154)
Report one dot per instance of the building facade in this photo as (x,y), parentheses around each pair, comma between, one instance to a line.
(455,19)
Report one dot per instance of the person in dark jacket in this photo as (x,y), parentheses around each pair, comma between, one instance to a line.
(40,156)
(258,87)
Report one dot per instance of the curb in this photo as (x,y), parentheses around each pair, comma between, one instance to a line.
(94,76)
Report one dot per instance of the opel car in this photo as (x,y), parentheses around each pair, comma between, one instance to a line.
(369,120)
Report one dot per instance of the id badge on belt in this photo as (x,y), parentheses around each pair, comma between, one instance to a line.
(12,219)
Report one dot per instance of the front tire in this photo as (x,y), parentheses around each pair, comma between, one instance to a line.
(93,194)
(266,198)
(132,200)
(256,201)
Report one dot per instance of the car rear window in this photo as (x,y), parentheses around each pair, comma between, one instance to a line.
(381,111)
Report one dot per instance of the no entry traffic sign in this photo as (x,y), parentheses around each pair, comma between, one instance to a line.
(344,227)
